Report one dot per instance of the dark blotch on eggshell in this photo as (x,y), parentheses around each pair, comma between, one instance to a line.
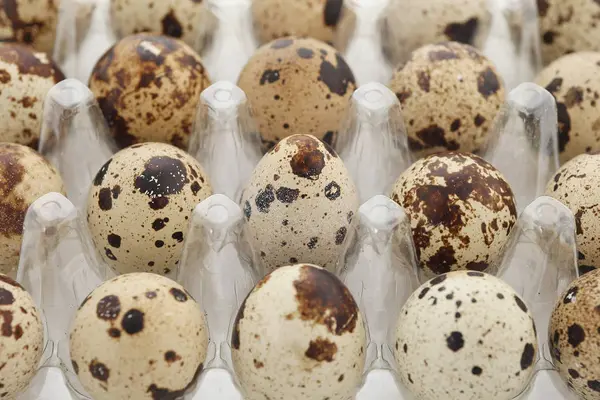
(171,25)
(287,195)
(133,321)
(434,136)
(282,43)
(160,393)
(336,78)
(527,356)
(437,280)
(105,199)
(333,190)
(247,210)
(332,12)
(576,335)
(305,53)
(309,161)
(571,295)
(6,297)
(75,366)
(108,308)
(264,198)
(455,341)
(178,236)
(99,371)
(340,235)
(270,76)
(488,83)
(594,385)
(463,32)
(321,350)
(179,295)
(162,176)
(520,303)
(100,175)
(114,240)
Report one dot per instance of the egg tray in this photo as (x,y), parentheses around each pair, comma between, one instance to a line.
(59,265)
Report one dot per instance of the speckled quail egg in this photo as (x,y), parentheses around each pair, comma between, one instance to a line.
(572,80)
(188,20)
(410,24)
(25,79)
(577,185)
(22,339)
(274,19)
(32,22)
(450,94)
(568,26)
(574,336)
(461,210)
(465,335)
(148,89)
(138,336)
(299,204)
(25,176)
(297,86)
(139,206)
(299,335)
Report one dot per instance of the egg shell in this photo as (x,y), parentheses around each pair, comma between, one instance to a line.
(461,210)
(299,335)
(25,176)
(577,185)
(138,336)
(148,88)
(568,26)
(26,77)
(297,86)
(410,24)
(274,19)
(574,336)
(139,206)
(299,204)
(573,82)
(22,339)
(188,20)
(465,335)
(450,94)
(32,22)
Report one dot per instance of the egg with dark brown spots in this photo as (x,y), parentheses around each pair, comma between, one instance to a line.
(25,176)
(299,335)
(138,336)
(574,336)
(450,94)
(148,88)
(577,185)
(572,80)
(21,338)
(568,26)
(26,77)
(318,19)
(461,210)
(297,86)
(299,204)
(465,335)
(139,207)
(31,22)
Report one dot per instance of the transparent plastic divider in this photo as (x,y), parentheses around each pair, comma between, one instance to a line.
(75,137)
(373,134)
(225,139)
(523,144)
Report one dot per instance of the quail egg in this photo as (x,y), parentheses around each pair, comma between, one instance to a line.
(138,336)
(188,20)
(572,81)
(410,24)
(274,19)
(568,26)
(22,339)
(148,89)
(574,336)
(299,335)
(25,176)
(450,94)
(32,22)
(299,204)
(25,78)
(139,206)
(577,185)
(297,86)
(465,335)
(461,210)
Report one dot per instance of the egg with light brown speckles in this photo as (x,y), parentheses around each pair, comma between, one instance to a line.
(26,77)
(574,336)
(461,211)
(138,336)
(148,89)
(299,322)
(465,335)
(31,22)
(577,185)
(299,204)
(25,176)
(274,19)
(572,80)
(450,94)
(297,86)
(139,207)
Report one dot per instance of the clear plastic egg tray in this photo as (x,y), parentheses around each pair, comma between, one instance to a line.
(59,265)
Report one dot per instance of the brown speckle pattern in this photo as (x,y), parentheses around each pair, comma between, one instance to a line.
(31,22)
